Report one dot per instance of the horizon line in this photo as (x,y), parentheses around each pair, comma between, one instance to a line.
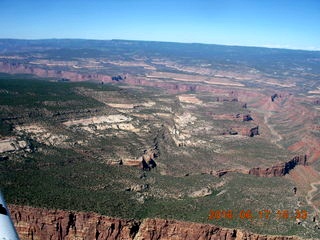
(268,46)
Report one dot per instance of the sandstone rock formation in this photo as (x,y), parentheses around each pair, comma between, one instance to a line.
(12,144)
(280,169)
(201,193)
(171,229)
(243,131)
(37,223)
(145,162)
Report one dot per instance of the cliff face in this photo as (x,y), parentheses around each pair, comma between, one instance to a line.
(38,223)
(171,229)
(280,169)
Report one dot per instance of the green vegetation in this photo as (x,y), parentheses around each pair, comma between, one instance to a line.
(77,175)
(26,92)
(65,180)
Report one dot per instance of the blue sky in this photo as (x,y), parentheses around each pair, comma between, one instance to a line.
(272,23)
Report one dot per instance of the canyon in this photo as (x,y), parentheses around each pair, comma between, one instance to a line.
(150,136)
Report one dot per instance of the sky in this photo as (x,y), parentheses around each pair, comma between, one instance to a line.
(291,24)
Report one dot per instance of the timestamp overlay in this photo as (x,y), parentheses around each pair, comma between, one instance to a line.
(266,214)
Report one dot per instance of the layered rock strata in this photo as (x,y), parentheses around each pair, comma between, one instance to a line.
(278,170)
(37,223)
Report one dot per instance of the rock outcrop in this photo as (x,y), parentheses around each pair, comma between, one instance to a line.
(171,229)
(243,131)
(201,193)
(222,172)
(37,223)
(12,145)
(254,131)
(280,169)
(145,162)
(148,159)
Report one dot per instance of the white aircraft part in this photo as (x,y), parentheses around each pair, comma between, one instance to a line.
(7,230)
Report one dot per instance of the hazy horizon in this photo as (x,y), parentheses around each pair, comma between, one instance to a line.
(142,40)
(272,24)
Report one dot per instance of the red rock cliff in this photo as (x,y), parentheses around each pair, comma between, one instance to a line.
(37,223)
(280,169)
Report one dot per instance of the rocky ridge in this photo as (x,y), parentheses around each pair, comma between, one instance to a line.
(278,170)
(38,223)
